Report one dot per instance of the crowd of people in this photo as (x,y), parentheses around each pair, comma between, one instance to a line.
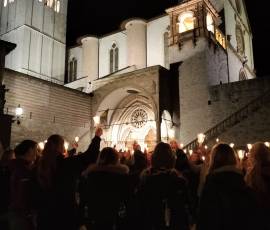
(110,190)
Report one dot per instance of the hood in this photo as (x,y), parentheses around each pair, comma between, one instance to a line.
(118,169)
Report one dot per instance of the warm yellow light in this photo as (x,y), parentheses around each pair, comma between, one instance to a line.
(66,144)
(18,111)
(217,140)
(249,146)
(232,145)
(206,147)
(190,152)
(267,144)
(77,139)
(181,145)
(96,120)
(185,151)
(201,138)
(241,154)
(203,158)
(41,145)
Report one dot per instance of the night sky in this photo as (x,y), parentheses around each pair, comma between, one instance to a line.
(101,17)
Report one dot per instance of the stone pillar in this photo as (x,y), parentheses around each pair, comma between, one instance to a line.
(90,51)
(136,43)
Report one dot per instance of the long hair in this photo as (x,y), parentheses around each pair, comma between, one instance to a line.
(47,163)
(258,157)
(163,156)
(222,155)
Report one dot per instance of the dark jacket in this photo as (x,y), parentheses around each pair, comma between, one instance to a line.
(21,187)
(263,200)
(57,206)
(163,200)
(226,202)
(107,192)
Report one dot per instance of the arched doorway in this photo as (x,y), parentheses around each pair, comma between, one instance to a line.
(128,115)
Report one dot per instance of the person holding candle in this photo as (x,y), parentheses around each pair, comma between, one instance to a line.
(258,178)
(226,202)
(57,176)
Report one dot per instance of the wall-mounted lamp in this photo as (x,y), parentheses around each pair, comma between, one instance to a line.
(18,113)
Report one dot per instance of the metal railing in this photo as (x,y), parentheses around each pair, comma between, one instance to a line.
(233,119)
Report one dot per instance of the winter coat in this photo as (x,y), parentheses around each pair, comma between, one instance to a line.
(57,206)
(107,192)
(163,200)
(226,202)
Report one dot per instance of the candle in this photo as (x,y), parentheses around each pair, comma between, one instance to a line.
(206,147)
(66,144)
(181,145)
(217,140)
(77,139)
(241,154)
(185,151)
(201,138)
(267,144)
(249,146)
(190,152)
(232,145)
(41,145)
(203,158)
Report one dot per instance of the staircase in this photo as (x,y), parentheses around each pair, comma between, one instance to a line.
(233,119)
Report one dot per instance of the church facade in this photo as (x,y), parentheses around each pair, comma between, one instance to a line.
(173,76)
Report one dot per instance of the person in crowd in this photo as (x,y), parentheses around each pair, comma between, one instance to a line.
(226,202)
(107,191)
(21,208)
(258,178)
(57,176)
(162,195)
(5,160)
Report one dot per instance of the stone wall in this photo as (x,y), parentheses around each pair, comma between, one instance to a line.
(48,109)
(202,106)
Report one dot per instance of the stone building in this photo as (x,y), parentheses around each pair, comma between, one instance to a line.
(185,72)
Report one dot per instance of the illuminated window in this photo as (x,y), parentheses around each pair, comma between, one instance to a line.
(49,3)
(5,3)
(114,58)
(210,22)
(57,6)
(186,21)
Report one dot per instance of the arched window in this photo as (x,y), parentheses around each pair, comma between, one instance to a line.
(186,21)
(72,70)
(242,74)
(57,6)
(114,58)
(210,22)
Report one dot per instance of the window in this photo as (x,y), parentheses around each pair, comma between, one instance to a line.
(186,21)
(55,4)
(72,70)
(210,22)
(114,58)
(5,2)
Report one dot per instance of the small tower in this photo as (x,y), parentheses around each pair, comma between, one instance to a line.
(38,27)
